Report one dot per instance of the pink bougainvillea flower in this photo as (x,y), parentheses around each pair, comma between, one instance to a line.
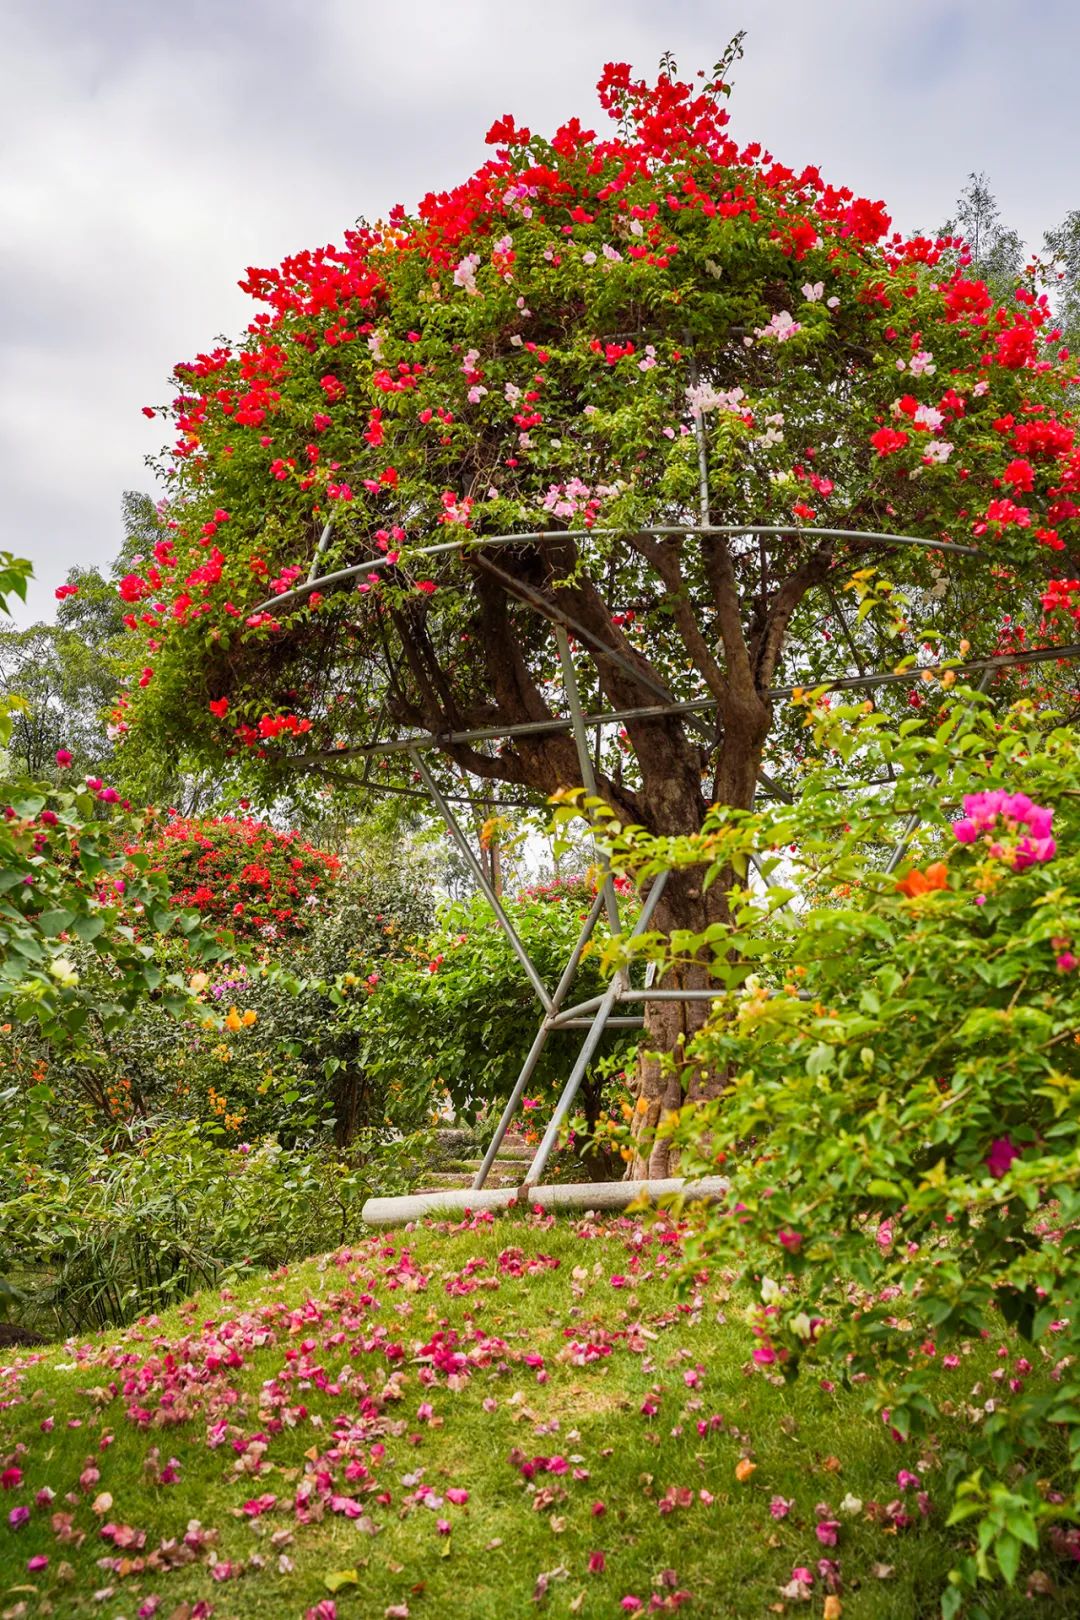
(10,1478)
(827,1531)
(800,1586)
(18,1517)
(792,1241)
(780,1507)
(64,758)
(1001,1155)
(35,1565)
(631,1604)
(597,1563)
(63,591)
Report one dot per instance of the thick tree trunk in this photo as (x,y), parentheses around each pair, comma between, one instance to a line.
(665,1075)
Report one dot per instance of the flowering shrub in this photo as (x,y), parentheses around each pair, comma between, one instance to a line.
(901,1110)
(259,882)
(454,372)
(597,340)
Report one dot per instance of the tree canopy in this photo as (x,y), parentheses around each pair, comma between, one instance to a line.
(610,336)
(632,353)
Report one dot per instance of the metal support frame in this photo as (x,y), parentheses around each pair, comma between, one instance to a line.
(1069,652)
(601,1012)
(591,1042)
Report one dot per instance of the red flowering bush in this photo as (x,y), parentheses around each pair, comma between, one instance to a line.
(600,341)
(258,882)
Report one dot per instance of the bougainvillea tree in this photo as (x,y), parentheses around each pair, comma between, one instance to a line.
(260,883)
(598,342)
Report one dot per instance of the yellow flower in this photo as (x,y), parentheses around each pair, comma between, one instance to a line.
(249,1018)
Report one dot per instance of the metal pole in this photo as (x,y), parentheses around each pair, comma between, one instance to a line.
(324,540)
(588,775)
(631,1021)
(579,1009)
(670,995)
(702,452)
(539,1043)
(478,873)
(538,728)
(591,1042)
(536,536)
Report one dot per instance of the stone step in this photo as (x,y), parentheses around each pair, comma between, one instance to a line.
(469,1167)
(498,1176)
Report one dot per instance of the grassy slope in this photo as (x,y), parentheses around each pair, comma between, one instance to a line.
(729,1554)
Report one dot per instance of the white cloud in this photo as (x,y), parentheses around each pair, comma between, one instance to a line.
(153,152)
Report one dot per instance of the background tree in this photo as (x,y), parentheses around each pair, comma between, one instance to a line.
(1063,244)
(68,678)
(596,343)
(995,250)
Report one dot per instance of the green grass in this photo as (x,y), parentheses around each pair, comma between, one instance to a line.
(728,1553)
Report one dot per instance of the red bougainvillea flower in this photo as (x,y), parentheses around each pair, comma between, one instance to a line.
(506,312)
(63,591)
(260,882)
(64,758)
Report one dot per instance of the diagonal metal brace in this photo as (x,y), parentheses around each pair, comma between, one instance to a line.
(547,1025)
(480,876)
(591,1042)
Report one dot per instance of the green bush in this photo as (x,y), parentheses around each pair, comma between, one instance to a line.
(108,1231)
(899,1065)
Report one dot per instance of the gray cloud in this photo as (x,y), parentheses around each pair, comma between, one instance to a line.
(152,151)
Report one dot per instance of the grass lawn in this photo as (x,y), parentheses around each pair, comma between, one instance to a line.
(327,1422)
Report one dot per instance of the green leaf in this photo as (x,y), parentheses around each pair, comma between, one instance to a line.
(52,923)
(88,927)
(1007,1553)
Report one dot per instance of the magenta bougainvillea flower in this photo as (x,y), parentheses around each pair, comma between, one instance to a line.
(997,817)
(1001,1155)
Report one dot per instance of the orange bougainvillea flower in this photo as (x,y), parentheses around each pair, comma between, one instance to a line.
(916,882)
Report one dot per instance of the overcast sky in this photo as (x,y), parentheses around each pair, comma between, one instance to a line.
(150,150)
